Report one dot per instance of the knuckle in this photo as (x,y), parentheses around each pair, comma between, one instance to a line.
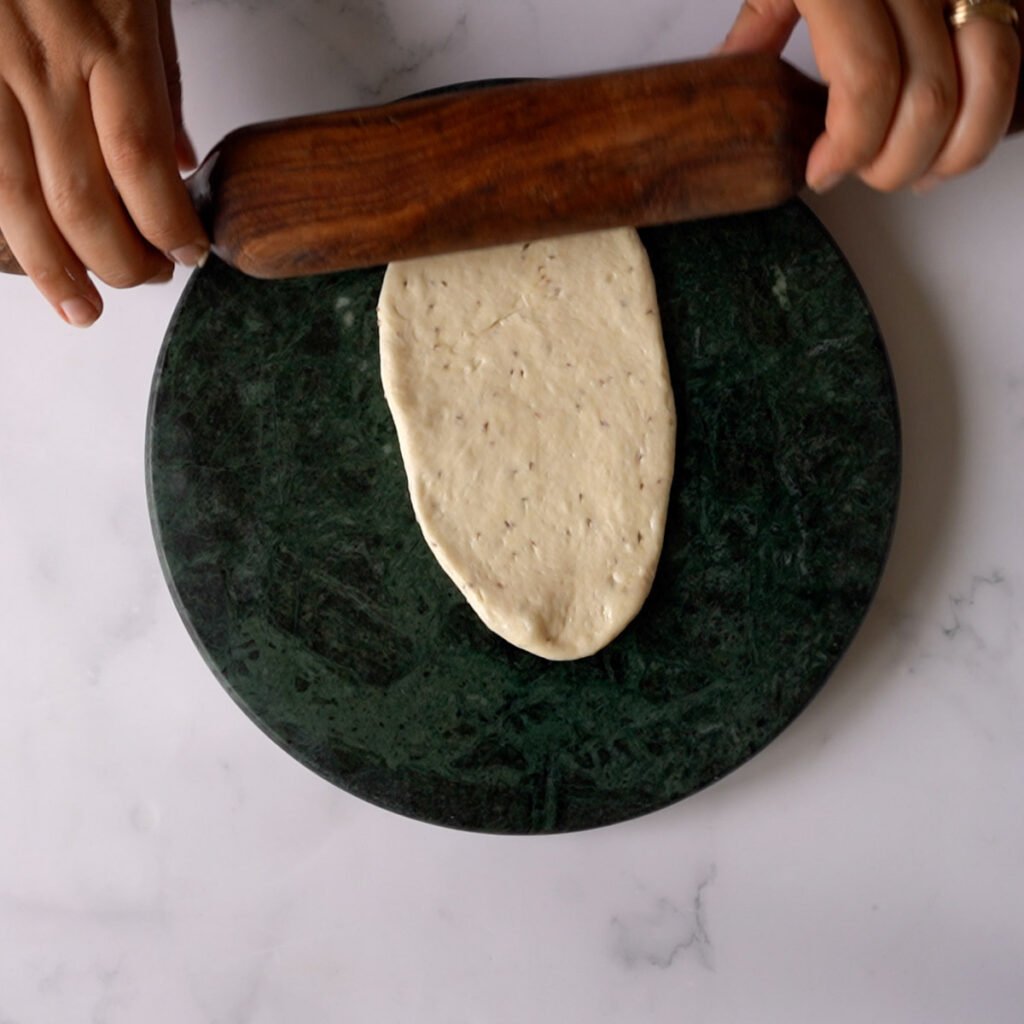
(128,26)
(70,199)
(853,150)
(15,189)
(35,56)
(46,276)
(931,99)
(873,80)
(129,147)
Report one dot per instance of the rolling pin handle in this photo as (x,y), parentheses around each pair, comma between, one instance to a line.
(8,264)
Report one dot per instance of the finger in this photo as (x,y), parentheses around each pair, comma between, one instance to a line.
(136,134)
(183,148)
(857,53)
(29,229)
(989,56)
(761,26)
(79,193)
(928,100)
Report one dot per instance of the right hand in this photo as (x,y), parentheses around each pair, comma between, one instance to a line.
(91,146)
(911,102)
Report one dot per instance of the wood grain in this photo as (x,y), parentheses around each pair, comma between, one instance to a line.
(8,264)
(508,163)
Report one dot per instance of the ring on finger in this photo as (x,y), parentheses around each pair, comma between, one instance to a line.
(961,12)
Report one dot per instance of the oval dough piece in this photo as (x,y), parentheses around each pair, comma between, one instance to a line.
(530,391)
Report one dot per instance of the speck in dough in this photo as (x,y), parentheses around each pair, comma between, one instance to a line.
(530,391)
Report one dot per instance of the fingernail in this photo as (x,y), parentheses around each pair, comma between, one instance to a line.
(926,184)
(825,183)
(191,255)
(79,311)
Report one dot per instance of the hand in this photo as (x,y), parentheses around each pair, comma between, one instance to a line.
(911,101)
(91,145)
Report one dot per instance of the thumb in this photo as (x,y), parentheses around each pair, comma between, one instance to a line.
(183,147)
(762,26)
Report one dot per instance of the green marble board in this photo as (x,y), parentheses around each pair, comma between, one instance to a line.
(282,516)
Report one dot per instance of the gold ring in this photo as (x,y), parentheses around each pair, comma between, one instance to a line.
(960,12)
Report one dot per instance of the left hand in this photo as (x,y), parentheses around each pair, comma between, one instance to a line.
(911,102)
(91,148)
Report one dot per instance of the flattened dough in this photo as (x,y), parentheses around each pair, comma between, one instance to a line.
(530,391)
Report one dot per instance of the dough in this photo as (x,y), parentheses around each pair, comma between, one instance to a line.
(530,391)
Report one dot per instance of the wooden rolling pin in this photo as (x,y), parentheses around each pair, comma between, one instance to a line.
(507,163)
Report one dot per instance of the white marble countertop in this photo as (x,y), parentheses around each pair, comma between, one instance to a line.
(161,860)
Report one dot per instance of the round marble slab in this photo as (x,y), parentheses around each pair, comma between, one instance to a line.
(281,511)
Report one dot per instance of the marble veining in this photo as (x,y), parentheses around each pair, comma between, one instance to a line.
(981,612)
(381,44)
(665,933)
